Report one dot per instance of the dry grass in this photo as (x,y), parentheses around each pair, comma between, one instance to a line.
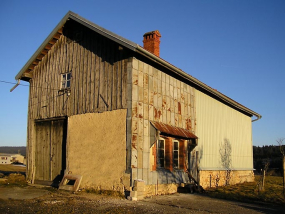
(12,175)
(248,192)
(14,179)
(12,168)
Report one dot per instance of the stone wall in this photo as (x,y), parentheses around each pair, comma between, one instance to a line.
(221,178)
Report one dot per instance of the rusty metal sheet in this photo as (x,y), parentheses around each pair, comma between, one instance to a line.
(174,131)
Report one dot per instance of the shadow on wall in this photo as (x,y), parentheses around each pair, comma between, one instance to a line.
(167,177)
(194,161)
(226,159)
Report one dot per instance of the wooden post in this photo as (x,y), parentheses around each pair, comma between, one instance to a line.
(263,179)
(283,174)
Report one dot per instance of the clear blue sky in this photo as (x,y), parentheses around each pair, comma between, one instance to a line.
(234,46)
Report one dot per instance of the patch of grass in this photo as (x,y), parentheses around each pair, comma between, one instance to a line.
(14,180)
(105,192)
(248,192)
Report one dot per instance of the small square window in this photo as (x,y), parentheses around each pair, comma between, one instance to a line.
(65,80)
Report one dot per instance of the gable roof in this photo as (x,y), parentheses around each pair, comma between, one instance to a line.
(25,72)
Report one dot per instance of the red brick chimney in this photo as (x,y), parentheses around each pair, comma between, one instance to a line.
(151,41)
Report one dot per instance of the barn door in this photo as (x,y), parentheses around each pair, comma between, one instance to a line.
(50,151)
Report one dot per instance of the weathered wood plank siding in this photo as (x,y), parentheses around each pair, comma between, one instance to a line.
(98,83)
(98,72)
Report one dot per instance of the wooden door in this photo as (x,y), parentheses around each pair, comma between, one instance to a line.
(50,151)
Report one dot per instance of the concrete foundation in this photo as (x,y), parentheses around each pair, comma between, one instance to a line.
(221,178)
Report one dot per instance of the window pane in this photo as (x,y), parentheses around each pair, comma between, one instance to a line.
(161,162)
(175,145)
(161,144)
(64,77)
(63,85)
(68,84)
(175,155)
(161,153)
(68,76)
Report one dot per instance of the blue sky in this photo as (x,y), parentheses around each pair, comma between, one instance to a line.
(234,46)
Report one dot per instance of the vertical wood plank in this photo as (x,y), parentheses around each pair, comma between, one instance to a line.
(119,84)
(84,72)
(89,83)
(92,70)
(97,75)
(115,80)
(110,76)
(124,84)
(101,78)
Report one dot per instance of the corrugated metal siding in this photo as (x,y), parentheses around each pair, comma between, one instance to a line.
(217,122)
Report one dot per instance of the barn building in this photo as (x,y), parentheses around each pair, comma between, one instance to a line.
(117,114)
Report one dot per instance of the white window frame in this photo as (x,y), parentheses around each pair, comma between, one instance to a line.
(65,81)
(173,156)
(158,162)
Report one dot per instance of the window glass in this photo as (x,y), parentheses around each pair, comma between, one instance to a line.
(175,154)
(160,153)
(65,80)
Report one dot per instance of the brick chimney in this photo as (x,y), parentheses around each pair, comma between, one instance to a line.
(151,41)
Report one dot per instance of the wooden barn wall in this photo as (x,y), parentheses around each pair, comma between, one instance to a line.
(98,80)
(98,83)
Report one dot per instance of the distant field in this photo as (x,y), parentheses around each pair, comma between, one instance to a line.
(12,168)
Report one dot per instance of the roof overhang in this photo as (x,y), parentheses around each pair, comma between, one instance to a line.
(26,72)
(195,81)
(173,131)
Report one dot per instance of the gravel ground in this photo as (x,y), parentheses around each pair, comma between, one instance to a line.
(55,201)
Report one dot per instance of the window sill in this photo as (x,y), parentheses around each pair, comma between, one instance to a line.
(64,91)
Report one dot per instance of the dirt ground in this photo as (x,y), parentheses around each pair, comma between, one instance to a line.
(36,199)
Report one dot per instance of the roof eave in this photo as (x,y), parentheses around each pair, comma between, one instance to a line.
(38,51)
(70,15)
(134,47)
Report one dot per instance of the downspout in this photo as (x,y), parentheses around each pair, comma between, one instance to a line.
(15,86)
(257,118)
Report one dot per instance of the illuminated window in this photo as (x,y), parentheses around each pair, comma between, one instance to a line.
(160,153)
(175,154)
(65,80)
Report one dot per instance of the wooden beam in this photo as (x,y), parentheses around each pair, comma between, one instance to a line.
(57,36)
(31,67)
(48,46)
(44,51)
(53,41)
(28,74)
(60,31)
(40,56)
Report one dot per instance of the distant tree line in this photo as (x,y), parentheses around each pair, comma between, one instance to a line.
(13,150)
(264,154)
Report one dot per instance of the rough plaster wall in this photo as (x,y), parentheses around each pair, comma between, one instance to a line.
(96,149)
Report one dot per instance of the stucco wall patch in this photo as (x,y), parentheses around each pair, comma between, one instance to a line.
(96,149)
